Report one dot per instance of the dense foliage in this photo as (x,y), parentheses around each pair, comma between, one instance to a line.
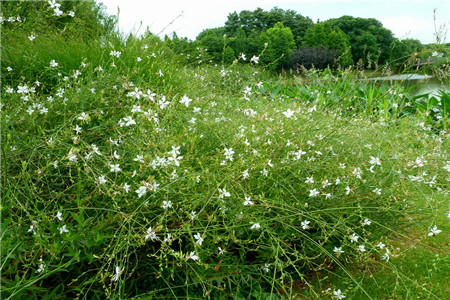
(130,171)
(358,41)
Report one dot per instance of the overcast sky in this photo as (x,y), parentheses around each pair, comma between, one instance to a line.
(405,18)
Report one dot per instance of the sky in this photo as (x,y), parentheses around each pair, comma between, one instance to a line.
(405,18)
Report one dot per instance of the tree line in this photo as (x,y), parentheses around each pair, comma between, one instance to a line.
(284,39)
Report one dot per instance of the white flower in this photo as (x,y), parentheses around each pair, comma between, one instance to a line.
(264,172)
(101,179)
(168,238)
(71,13)
(255,226)
(41,266)
(57,12)
(289,113)
(247,201)
(305,224)
(166,204)
(357,172)
(193,215)
(434,231)
(338,294)
(377,191)
(127,121)
(141,191)
(59,216)
(77,129)
(115,53)
(242,56)
(115,168)
(30,110)
(136,108)
(362,248)
(447,168)
(115,155)
(254,59)
(53,4)
(223,193)
(375,161)
(309,180)
(313,193)
(31,37)
(72,156)
(245,174)
(338,250)
(185,100)
(32,227)
(163,103)
(381,245)
(354,238)
(229,153)
(347,190)
(139,158)
(193,256)
(126,187)
(53,64)
(83,116)
(150,234)
(117,274)
(199,239)
(63,229)
(366,222)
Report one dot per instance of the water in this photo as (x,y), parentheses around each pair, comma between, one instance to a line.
(423,84)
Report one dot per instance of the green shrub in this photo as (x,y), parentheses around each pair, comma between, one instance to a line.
(137,177)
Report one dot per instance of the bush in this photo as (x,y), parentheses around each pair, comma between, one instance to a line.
(131,176)
(313,57)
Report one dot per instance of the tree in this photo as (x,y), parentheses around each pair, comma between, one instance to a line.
(366,48)
(280,44)
(354,28)
(259,21)
(403,50)
(323,34)
(239,43)
(213,40)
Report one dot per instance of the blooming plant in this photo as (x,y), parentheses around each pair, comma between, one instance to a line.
(117,183)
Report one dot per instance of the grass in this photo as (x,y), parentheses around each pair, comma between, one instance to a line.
(133,175)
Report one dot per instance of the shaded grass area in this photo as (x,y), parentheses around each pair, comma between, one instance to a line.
(418,267)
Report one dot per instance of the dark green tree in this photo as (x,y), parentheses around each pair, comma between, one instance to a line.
(260,20)
(213,41)
(366,48)
(357,27)
(404,52)
(280,44)
(239,43)
(323,34)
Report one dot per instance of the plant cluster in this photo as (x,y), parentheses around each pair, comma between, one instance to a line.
(127,174)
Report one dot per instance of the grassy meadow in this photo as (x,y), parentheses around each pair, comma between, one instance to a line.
(131,172)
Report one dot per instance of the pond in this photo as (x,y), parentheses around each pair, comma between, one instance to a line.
(422,83)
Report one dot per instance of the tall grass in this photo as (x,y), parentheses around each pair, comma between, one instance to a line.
(131,175)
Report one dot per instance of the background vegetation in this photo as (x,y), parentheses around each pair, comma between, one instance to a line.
(335,42)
